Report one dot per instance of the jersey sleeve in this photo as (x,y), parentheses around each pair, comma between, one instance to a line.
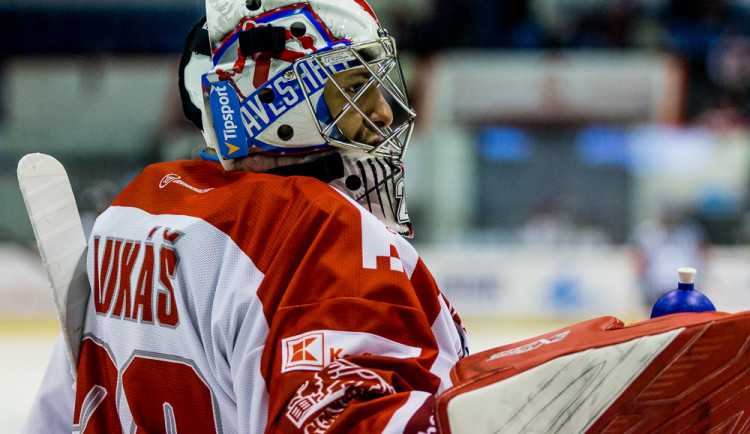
(360,338)
(52,408)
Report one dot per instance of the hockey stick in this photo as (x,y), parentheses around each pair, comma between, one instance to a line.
(57,226)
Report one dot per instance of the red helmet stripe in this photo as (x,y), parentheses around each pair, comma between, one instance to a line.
(363,4)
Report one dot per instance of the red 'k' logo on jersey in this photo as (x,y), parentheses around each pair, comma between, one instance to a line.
(303,352)
(300,353)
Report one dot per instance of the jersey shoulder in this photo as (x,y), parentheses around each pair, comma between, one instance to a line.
(254,209)
(201,185)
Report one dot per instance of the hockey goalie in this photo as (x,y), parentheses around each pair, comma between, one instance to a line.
(267,286)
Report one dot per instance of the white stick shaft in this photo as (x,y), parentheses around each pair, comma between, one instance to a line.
(57,226)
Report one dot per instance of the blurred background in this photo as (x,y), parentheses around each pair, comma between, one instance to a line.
(569,154)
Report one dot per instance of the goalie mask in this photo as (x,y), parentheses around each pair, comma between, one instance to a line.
(284,77)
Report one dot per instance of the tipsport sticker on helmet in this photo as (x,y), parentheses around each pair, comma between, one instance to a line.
(225,108)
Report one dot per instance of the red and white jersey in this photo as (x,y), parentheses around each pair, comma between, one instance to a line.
(246,302)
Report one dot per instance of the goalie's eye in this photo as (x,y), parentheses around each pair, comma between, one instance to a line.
(354,88)
(352,82)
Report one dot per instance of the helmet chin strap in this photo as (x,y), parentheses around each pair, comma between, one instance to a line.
(327,168)
(376,183)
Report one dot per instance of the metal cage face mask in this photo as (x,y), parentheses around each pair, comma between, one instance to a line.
(300,96)
(364,104)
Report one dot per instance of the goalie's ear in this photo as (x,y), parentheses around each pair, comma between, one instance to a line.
(197,54)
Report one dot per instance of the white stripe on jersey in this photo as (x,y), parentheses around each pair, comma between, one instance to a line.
(443,329)
(403,415)
(221,320)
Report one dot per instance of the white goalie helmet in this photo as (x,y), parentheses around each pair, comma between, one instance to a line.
(291,77)
(262,87)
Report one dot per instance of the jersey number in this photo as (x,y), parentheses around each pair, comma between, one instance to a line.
(164,396)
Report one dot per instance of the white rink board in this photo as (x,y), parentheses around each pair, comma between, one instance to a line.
(508,281)
(568,282)
(537,282)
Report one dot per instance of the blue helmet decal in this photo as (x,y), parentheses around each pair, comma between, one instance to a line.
(288,93)
(323,114)
(275,96)
(256,116)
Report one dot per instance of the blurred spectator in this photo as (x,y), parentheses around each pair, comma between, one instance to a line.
(661,245)
(549,224)
(722,113)
(728,63)
(728,69)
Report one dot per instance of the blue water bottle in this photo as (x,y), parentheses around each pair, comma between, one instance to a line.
(683,299)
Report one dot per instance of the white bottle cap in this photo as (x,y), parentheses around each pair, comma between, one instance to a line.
(687,275)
